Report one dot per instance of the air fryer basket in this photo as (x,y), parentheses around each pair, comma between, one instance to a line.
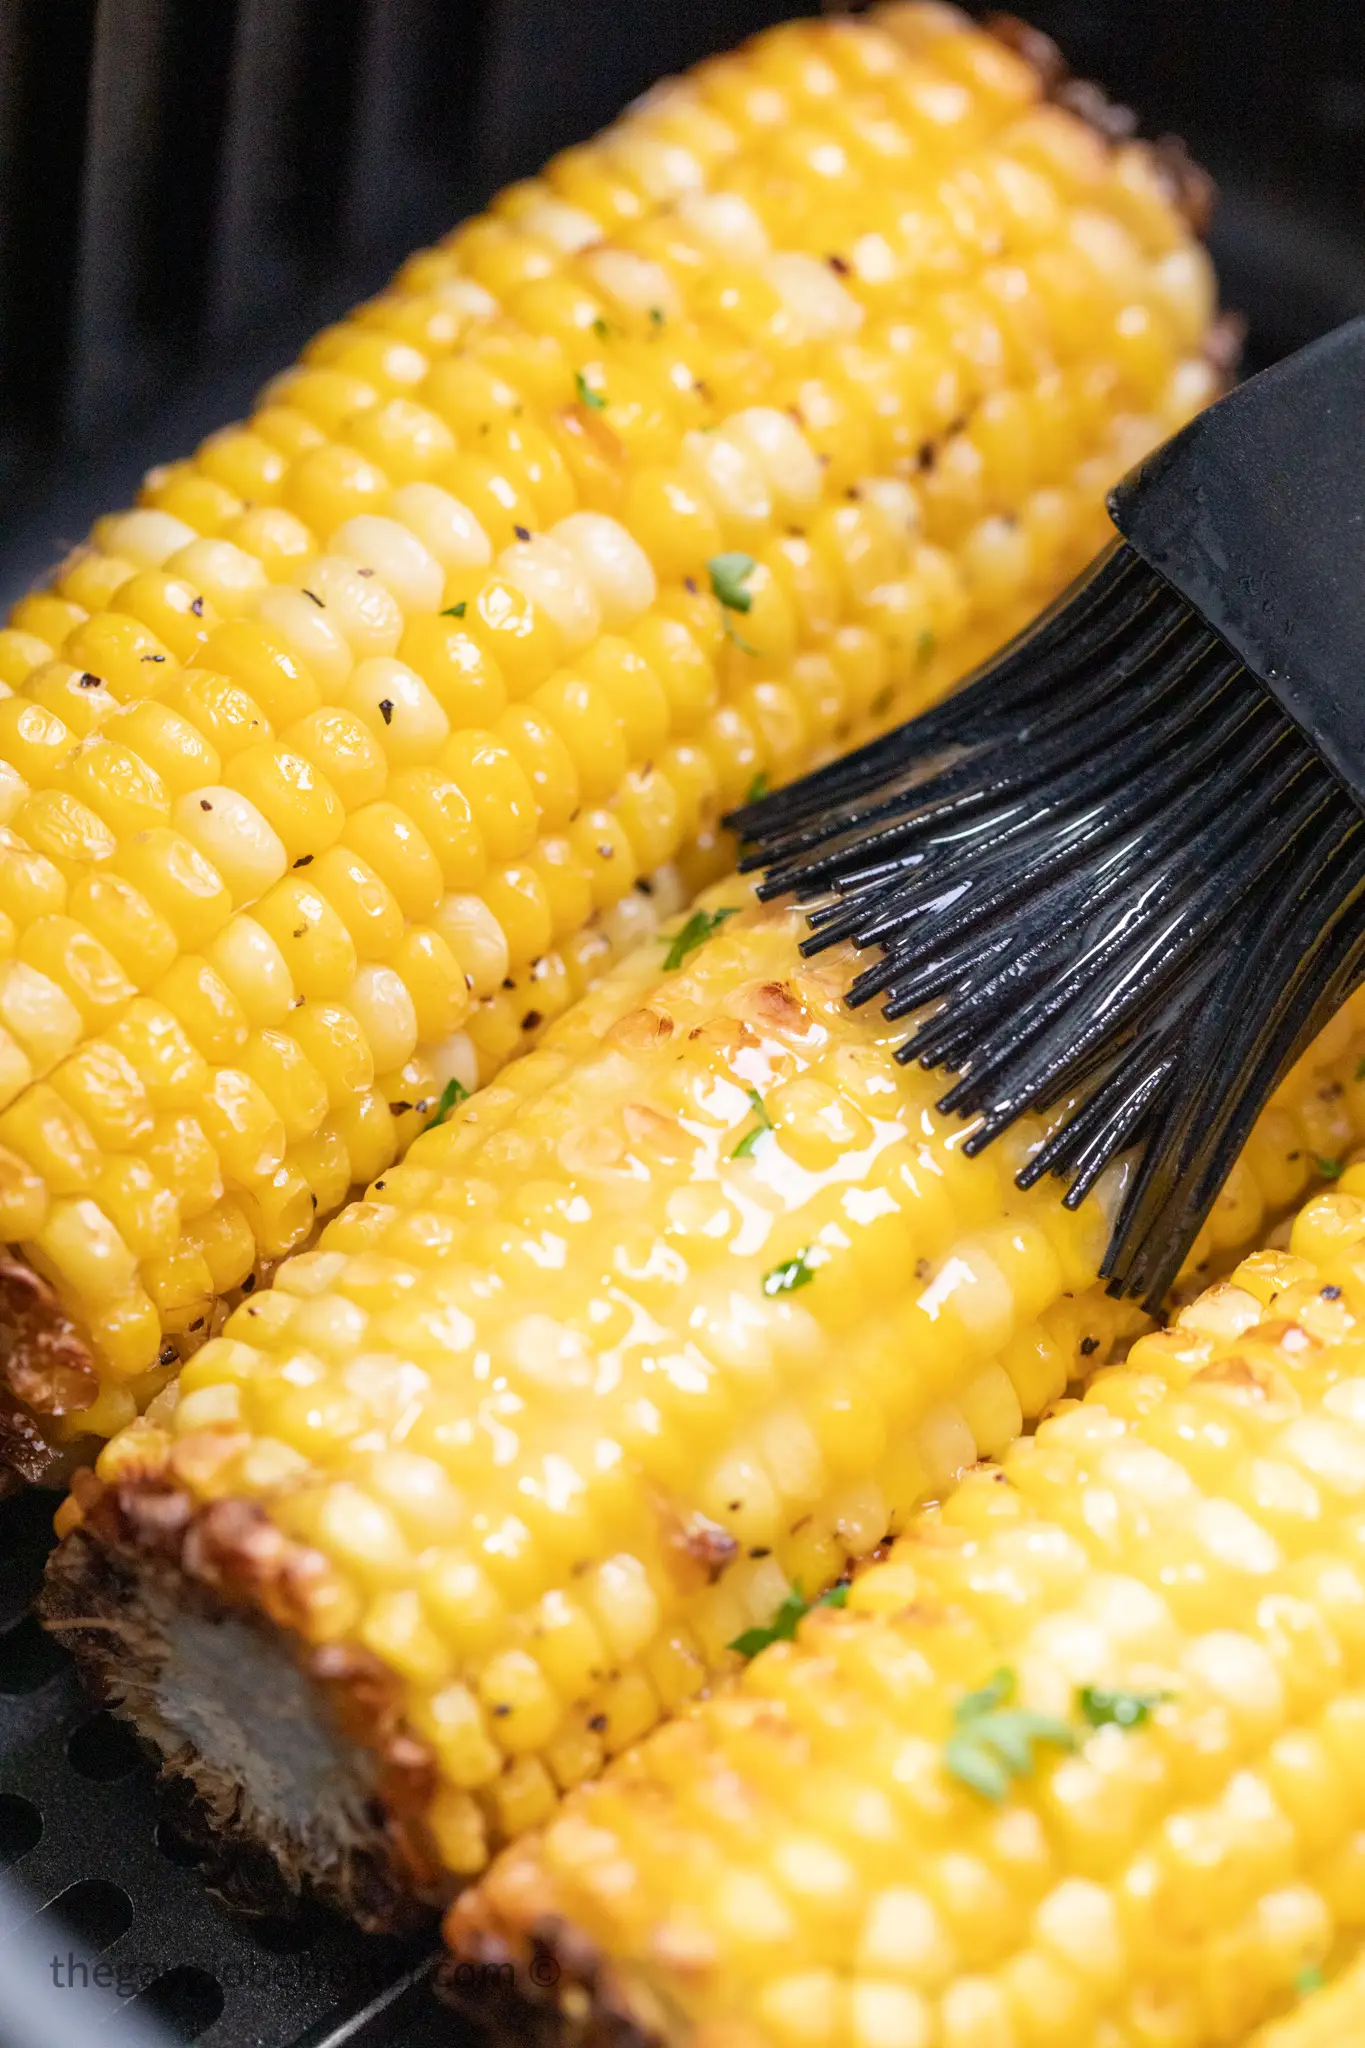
(229,176)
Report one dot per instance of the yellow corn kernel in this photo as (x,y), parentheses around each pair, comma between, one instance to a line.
(441,628)
(1054,1885)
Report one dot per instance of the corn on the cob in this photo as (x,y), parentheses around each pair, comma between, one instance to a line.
(695,1302)
(1081,1761)
(691,1306)
(744,429)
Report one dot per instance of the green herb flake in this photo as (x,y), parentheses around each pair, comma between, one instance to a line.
(1105,1709)
(1360,1071)
(757,788)
(1330,1169)
(452,1094)
(600,328)
(594,400)
(993,1743)
(765,1123)
(1311,1978)
(456,611)
(926,646)
(656,314)
(783,1626)
(694,933)
(794,1273)
(729,574)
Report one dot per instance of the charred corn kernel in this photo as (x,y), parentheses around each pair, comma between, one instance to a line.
(735,437)
(1086,1723)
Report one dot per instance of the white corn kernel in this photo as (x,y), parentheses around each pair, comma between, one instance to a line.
(311,633)
(255,970)
(145,537)
(727,476)
(402,562)
(400,711)
(232,580)
(477,940)
(634,284)
(726,224)
(380,1003)
(360,605)
(445,526)
(549,574)
(566,228)
(817,306)
(229,831)
(613,561)
(781,451)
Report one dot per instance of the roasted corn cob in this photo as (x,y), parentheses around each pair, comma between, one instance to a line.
(1082,1761)
(326,773)
(689,1308)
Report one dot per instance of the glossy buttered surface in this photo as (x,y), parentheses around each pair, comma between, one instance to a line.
(1080,1761)
(327,771)
(692,1305)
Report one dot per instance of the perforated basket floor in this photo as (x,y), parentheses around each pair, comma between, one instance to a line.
(102,1910)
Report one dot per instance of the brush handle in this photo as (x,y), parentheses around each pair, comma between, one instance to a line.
(1255,514)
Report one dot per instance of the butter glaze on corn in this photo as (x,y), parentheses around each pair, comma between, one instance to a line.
(326,773)
(793,1864)
(595,1375)
(544,1425)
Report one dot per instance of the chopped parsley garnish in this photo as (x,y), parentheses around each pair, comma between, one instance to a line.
(993,1743)
(454,1092)
(751,1138)
(728,574)
(757,788)
(656,314)
(1360,1071)
(794,1273)
(694,933)
(926,645)
(1309,1980)
(783,1626)
(456,611)
(600,328)
(1330,1169)
(586,395)
(1105,1709)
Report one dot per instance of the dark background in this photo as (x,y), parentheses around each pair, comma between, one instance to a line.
(189,187)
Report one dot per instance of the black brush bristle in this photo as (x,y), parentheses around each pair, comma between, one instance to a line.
(1109,874)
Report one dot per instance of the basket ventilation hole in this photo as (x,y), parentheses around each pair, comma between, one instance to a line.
(21,1826)
(94,1913)
(183,2003)
(103,1749)
(29,1657)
